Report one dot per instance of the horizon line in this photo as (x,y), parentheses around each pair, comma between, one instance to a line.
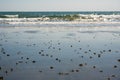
(65,11)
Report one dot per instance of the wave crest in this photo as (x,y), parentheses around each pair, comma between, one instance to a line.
(9,16)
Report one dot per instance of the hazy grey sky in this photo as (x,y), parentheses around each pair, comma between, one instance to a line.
(59,5)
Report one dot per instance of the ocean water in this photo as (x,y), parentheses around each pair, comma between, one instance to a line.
(59,19)
(60,45)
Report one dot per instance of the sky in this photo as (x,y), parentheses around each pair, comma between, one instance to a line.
(59,5)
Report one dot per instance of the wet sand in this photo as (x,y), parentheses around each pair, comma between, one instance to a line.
(60,53)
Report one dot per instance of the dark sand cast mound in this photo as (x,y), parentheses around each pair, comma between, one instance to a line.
(51,56)
(31,31)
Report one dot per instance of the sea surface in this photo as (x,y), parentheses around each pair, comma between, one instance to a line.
(60,45)
(21,19)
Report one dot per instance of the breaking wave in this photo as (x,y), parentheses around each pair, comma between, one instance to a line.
(60,18)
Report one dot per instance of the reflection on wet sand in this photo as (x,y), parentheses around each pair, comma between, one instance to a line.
(59,53)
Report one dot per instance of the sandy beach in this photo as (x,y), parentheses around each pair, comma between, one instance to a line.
(60,53)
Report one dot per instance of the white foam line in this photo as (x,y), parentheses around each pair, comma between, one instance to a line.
(74,22)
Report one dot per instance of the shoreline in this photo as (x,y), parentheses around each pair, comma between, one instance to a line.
(65,28)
